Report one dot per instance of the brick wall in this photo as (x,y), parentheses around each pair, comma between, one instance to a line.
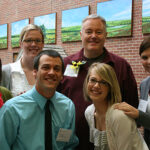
(127,47)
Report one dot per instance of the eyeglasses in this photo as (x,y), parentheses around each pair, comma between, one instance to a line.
(30,41)
(93,81)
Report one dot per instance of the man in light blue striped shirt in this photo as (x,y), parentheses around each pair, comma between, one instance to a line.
(22,119)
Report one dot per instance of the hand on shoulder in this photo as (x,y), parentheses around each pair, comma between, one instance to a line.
(127,109)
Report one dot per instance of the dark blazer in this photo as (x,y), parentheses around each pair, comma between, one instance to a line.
(144,118)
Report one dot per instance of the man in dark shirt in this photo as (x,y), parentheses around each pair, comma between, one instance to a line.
(93,35)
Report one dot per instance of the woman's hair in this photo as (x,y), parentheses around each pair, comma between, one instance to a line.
(107,73)
(144,45)
(28,28)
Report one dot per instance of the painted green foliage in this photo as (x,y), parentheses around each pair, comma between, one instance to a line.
(16,30)
(49,34)
(71,33)
(71,23)
(146,24)
(48,26)
(15,40)
(146,16)
(3,36)
(3,42)
(118,28)
(118,16)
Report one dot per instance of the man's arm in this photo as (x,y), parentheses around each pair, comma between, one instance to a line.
(129,88)
(6,76)
(144,119)
(8,127)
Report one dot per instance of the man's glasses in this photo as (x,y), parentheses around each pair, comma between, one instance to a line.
(93,81)
(30,41)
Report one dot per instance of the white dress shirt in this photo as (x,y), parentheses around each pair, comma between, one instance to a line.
(19,81)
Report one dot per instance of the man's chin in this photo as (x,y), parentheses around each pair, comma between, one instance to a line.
(92,49)
(51,86)
(52,89)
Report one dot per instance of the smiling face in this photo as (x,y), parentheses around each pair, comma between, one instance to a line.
(31,49)
(145,59)
(97,88)
(93,37)
(48,75)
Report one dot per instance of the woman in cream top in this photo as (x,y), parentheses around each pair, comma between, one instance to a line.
(110,129)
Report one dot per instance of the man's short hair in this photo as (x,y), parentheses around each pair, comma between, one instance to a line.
(28,28)
(94,16)
(144,45)
(51,53)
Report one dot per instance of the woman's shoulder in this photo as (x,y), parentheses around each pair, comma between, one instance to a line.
(89,112)
(89,115)
(90,109)
(16,65)
(117,116)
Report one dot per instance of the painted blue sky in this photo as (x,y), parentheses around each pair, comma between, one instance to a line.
(74,17)
(48,20)
(3,30)
(17,26)
(146,8)
(115,9)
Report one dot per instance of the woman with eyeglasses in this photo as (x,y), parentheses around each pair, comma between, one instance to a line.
(18,76)
(110,129)
(142,116)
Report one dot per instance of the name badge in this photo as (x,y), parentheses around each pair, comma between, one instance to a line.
(64,135)
(70,71)
(142,105)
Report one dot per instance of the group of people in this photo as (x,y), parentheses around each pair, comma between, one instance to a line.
(92,105)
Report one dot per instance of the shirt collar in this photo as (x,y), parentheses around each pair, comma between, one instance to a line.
(107,57)
(16,67)
(41,100)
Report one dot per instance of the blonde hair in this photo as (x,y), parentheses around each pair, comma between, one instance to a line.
(28,28)
(107,73)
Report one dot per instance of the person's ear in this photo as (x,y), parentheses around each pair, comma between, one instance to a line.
(106,34)
(62,77)
(20,44)
(81,35)
(42,45)
(35,73)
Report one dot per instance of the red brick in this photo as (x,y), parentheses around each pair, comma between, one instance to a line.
(126,47)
